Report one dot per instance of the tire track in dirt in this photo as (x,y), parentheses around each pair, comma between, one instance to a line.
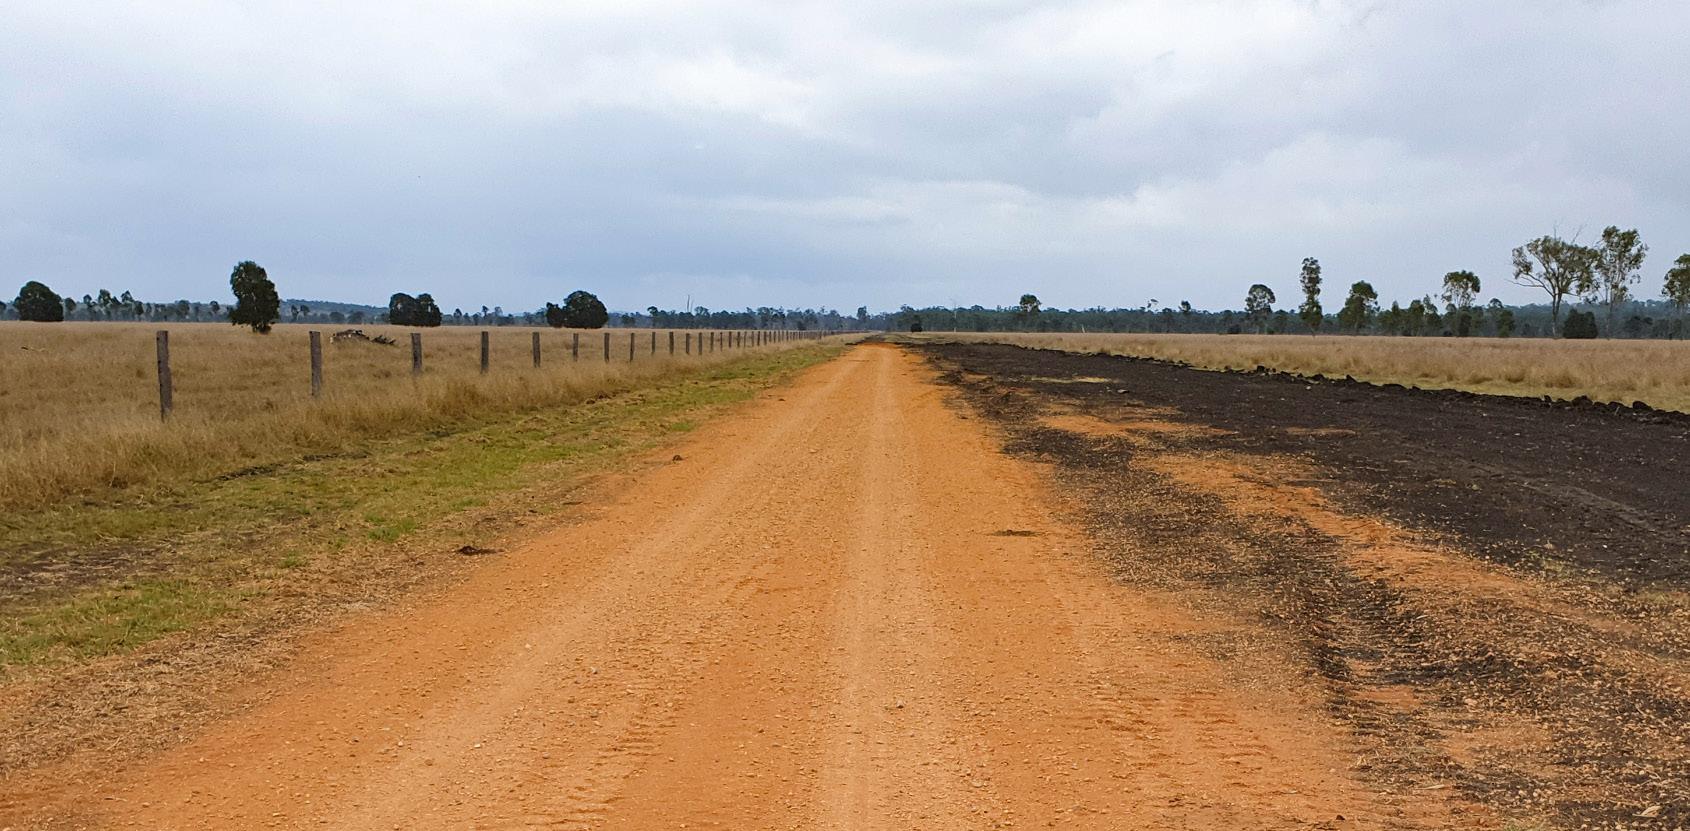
(843,608)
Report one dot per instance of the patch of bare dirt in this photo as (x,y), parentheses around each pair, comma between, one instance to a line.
(1551,689)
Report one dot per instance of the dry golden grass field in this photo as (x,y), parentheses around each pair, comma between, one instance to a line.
(1652,371)
(79,401)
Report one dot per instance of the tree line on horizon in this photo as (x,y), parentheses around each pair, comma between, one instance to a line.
(258,305)
(1600,275)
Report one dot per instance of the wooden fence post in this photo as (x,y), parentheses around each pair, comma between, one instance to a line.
(484,351)
(416,353)
(630,347)
(164,387)
(536,350)
(654,342)
(575,347)
(671,341)
(316,364)
(687,342)
(607,347)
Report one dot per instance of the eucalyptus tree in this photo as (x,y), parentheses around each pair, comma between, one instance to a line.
(1258,305)
(1615,268)
(1460,287)
(1677,288)
(1310,311)
(1559,267)
(1359,307)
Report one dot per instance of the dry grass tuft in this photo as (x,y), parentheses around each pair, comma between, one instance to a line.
(79,401)
(1654,372)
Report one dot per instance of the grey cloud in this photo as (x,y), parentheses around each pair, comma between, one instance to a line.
(878,153)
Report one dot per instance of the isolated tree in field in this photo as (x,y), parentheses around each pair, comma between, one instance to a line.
(585,311)
(1618,260)
(405,310)
(1359,307)
(1258,306)
(1310,311)
(1677,288)
(1558,267)
(1460,287)
(256,302)
(38,303)
(580,310)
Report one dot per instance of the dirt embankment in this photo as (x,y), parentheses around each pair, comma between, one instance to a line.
(1490,593)
(845,609)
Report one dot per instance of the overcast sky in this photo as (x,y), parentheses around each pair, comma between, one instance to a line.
(873,152)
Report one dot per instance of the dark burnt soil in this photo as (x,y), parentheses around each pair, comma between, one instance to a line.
(1587,504)
(1522,481)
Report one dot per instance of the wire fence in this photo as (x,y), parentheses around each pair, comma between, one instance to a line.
(493,354)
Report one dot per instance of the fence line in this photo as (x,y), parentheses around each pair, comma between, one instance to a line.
(718,341)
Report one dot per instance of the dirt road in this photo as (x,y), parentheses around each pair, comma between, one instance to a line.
(844,608)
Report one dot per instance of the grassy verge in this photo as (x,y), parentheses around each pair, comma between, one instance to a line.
(79,414)
(105,577)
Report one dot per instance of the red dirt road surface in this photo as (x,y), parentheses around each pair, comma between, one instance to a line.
(842,609)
